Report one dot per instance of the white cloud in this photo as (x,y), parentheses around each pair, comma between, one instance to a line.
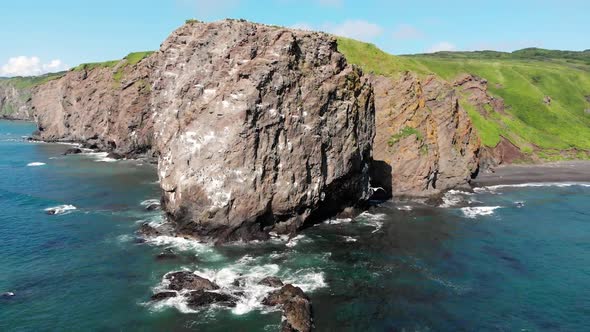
(357,29)
(405,31)
(30,66)
(442,47)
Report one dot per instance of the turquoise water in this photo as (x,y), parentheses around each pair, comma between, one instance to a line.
(517,267)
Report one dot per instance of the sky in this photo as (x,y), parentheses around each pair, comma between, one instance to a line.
(43,36)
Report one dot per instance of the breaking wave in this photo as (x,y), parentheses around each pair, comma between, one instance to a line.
(474,212)
(36,164)
(241,280)
(60,209)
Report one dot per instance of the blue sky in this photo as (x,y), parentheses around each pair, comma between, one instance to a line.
(40,36)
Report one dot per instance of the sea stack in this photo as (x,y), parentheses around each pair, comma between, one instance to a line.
(258,129)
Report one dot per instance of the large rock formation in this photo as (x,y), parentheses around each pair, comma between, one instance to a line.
(257,128)
(425,142)
(103,107)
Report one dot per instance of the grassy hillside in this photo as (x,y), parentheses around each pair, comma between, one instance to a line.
(522,78)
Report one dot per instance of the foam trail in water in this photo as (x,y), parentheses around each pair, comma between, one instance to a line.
(474,212)
(60,209)
(204,251)
(35,164)
(375,220)
(539,184)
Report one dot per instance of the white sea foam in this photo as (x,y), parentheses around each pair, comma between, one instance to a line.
(405,208)
(61,209)
(101,157)
(453,198)
(337,221)
(375,220)
(248,271)
(539,184)
(349,239)
(204,251)
(475,211)
(35,164)
(149,202)
(294,240)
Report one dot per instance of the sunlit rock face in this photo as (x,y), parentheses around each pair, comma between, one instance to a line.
(259,129)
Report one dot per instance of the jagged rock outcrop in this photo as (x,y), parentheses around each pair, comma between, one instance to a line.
(259,129)
(14,101)
(475,92)
(425,142)
(105,108)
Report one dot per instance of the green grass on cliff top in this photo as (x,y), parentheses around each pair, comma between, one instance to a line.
(522,78)
(131,59)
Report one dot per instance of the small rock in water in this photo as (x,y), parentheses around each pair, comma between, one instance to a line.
(202,298)
(297,314)
(167,254)
(519,204)
(145,230)
(153,207)
(163,295)
(114,155)
(271,282)
(72,151)
(188,280)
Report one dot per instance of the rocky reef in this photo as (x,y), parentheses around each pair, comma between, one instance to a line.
(425,142)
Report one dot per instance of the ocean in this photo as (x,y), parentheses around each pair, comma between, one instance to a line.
(504,258)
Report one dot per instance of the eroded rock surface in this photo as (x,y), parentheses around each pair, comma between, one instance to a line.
(296,306)
(425,142)
(259,129)
(104,108)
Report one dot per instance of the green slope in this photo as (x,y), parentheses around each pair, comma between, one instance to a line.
(522,78)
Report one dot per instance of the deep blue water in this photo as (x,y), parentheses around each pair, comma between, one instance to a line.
(512,268)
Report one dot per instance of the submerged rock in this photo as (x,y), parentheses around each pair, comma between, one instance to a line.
(72,151)
(146,231)
(202,298)
(7,294)
(163,295)
(271,282)
(167,254)
(152,207)
(188,280)
(296,307)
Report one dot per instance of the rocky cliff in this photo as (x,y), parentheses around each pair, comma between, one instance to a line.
(106,108)
(14,101)
(258,129)
(425,143)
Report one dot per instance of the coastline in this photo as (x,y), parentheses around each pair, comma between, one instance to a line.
(561,171)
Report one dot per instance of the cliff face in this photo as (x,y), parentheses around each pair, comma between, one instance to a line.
(14,102)
(92,107)
(425,142)
(259,129)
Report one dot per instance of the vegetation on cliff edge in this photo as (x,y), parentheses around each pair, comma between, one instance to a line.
(522,78)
